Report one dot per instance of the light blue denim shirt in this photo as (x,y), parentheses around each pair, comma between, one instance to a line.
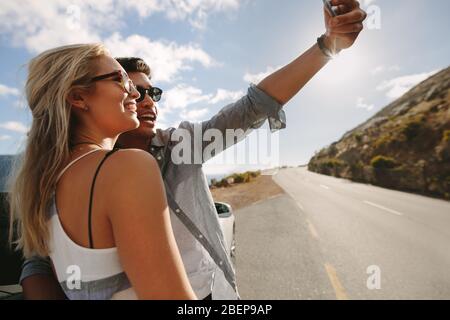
(194,218)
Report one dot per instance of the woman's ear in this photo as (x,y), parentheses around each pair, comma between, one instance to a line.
(77,99)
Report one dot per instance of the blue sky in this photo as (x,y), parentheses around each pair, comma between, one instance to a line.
(205,53)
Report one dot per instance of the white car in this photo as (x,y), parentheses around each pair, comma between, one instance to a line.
(228,225)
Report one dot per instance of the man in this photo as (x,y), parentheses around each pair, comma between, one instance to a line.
(194,219)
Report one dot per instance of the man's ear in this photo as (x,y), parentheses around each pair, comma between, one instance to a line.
(77,99)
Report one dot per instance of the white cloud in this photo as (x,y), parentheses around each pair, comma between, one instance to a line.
(396,87)
(37,26)
(179,101)
(194,115)
(8,91)
(360,103)
(382,68)
(14,126)
(4,137)
(196,12)
(225,95)
(166,59)
(20,104)
(257,77)
(182,95)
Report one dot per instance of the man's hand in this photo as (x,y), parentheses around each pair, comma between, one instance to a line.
(343,29)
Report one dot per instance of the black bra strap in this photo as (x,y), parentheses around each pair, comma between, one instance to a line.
(91,242)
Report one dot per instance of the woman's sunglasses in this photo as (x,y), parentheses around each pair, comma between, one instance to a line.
(153,92)
(119,76)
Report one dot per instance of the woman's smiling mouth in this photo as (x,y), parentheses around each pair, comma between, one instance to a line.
(131,106)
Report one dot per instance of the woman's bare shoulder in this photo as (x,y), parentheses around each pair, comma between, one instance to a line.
(131,163)
(131,159)
(133,183)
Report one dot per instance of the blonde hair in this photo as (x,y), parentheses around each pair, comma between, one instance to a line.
(51,77)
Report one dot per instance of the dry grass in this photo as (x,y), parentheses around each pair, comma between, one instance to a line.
(244,194)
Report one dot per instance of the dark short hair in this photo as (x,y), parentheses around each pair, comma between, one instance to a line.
(133,64)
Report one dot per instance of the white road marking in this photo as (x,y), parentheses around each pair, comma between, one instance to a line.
(300,206)
(383,208)
(312,229)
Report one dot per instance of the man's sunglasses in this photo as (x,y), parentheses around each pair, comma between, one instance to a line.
(153,92)
(119,76)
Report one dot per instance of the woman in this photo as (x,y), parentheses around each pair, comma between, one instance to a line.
(80,202)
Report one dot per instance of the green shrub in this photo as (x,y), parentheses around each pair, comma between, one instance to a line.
(237,178)
(331,163)
(255,174)
(222,183)
(382,162)
(359,165)
(393,118)
(241,177)
(446,136)
(383,141)
(411,127)
(358,136)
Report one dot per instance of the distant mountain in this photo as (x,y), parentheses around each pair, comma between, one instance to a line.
(405,146)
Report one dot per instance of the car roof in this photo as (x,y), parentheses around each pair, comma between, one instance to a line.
(6,162)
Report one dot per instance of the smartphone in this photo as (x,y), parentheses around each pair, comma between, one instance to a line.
(329,8)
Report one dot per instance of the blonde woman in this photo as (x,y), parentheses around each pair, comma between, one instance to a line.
(99,213)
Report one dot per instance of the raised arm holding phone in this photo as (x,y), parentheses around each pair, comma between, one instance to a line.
(341,32)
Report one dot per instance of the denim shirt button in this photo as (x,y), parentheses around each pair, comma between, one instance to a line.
(221,262)
(159,158)
(177,210)
(200,236)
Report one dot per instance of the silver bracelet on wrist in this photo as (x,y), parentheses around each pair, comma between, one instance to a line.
(321,43)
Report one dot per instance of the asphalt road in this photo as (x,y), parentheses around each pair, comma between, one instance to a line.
(329,238)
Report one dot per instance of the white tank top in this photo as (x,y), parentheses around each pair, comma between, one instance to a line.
(85,273)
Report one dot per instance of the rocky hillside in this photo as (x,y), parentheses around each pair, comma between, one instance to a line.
(405,146)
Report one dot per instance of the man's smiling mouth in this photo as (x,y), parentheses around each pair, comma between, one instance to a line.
(148,117)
